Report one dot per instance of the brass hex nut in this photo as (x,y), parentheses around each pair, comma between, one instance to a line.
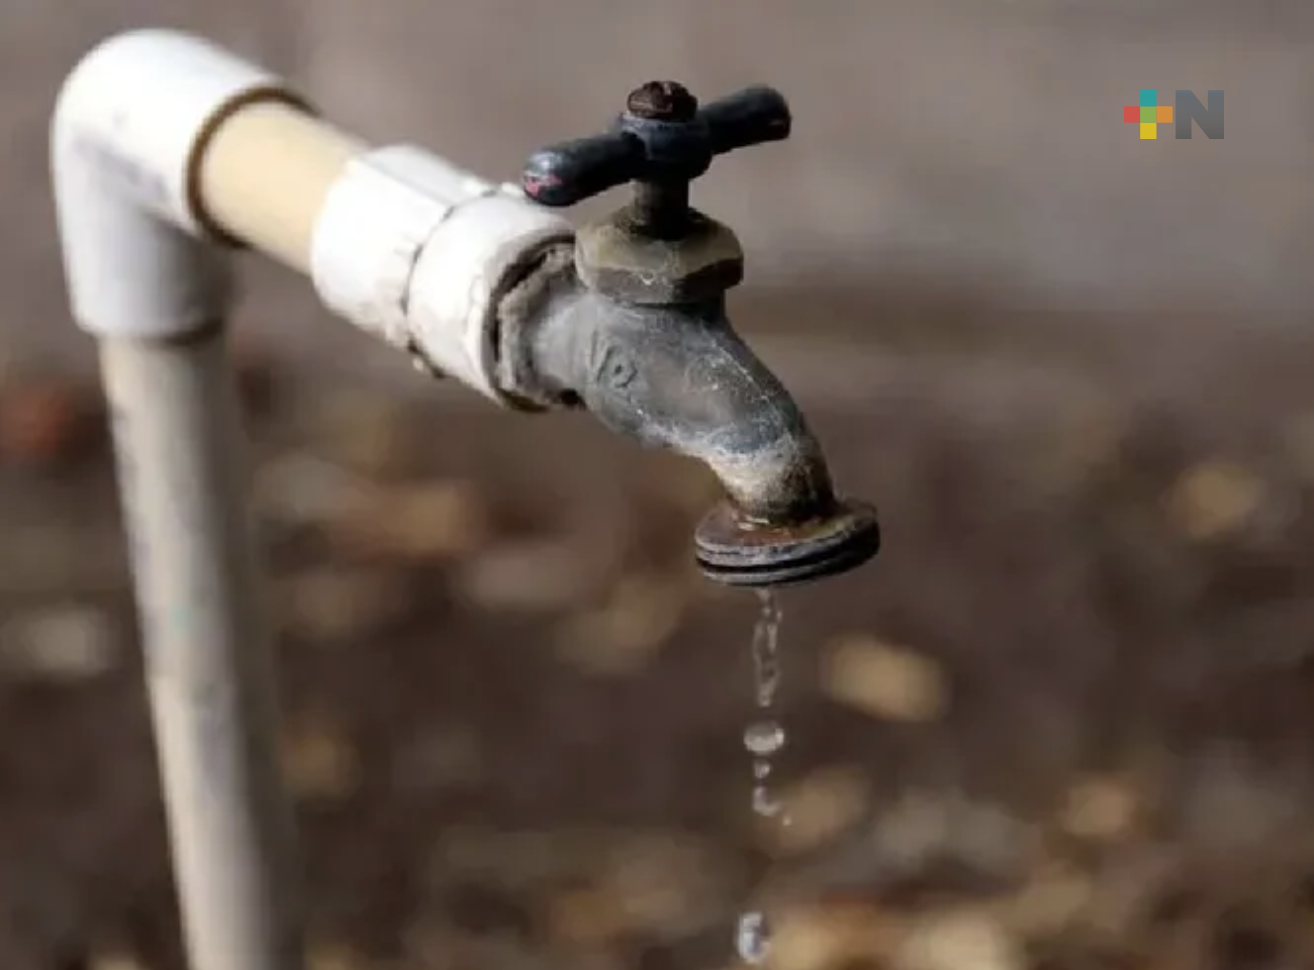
(616,260)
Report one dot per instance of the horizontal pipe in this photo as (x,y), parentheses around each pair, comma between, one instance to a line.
(265,173)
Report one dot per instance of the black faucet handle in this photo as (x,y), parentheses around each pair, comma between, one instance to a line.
(750,117)
(572,171)
(661,138)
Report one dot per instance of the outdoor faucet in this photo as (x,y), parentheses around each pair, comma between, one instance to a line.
(630,323)
(168,154)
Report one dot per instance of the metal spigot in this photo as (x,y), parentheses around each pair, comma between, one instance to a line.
(646,347)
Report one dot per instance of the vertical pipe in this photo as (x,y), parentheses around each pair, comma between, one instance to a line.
(208,663)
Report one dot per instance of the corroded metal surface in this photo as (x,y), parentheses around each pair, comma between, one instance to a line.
(731,548)
(630,266)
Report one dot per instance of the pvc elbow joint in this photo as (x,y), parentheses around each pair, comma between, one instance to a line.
(128,130)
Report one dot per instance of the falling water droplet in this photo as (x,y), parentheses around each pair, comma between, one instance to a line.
(766,804)
(764,738)
(766,643)
(753,938)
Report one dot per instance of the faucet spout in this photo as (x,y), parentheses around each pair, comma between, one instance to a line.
(681,378)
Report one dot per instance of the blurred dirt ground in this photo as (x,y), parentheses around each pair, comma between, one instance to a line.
(1062,723)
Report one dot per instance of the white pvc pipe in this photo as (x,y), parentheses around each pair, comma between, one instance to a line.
(207,648)
(166,151)
(146,282)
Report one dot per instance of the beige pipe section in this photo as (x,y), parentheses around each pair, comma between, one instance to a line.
(264,174)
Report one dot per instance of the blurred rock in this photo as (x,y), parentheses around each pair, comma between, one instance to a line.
(924,827)
(912,831)
(827,936)
(49,422)
(825,804)
(953,941)
(319,762)
(1100,809)
(1214,499)
(584,917)
(520,860)
(529,575)
(299,489)
(1125,889)
(989,839)
(424,522)
(665,884)
(338,603)
(1050,903)
(62,643)
(883,680)
(642,613)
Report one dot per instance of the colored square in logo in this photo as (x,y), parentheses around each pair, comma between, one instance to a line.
(1165,114)
(1131,114)
(1149,130)
(1149,116)
(1149,99)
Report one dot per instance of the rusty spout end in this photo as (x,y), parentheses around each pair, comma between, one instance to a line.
(737,551)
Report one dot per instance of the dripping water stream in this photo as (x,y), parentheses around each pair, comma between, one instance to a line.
(765,735)
(763,738)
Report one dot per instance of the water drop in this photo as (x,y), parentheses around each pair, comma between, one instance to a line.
(764,738)
(753,938)
(766,804)
(766,648)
